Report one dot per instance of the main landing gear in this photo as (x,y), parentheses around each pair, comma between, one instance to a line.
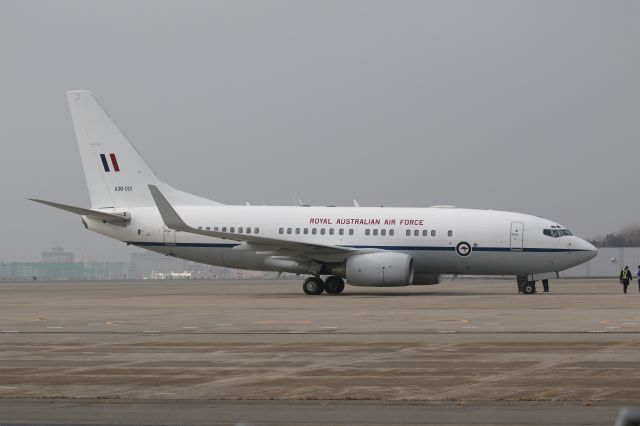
(314,286)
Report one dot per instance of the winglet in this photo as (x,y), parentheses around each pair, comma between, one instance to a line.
(170,217)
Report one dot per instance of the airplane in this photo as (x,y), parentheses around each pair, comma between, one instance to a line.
(366,246)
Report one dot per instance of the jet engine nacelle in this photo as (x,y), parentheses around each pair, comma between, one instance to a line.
(384,269)
(426,279)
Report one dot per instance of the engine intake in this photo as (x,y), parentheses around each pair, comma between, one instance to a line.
(384,269)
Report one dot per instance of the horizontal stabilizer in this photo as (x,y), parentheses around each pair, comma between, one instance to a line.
(107,217)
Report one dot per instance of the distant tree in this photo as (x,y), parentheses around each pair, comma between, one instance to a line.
(629,236)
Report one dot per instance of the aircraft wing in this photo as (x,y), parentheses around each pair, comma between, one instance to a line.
(251,242)
(94,214)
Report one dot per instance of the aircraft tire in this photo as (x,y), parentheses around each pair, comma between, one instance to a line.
(313,286)
(529,287)
(334,285)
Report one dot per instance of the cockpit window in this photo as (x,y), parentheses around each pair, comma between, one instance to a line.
(556,233)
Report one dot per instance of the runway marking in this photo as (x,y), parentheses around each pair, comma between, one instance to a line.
(150,331)
(329,327)
(597,331)
(10,331)
(165,393)
(446,331)
(224,324)
(612,326)
(55,327)
(629,323)
(283,322)
(189,328)
(8,387)
(469,326)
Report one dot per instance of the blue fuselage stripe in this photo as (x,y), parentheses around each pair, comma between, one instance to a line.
(396,248)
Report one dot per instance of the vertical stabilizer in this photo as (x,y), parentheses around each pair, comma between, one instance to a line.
(116,174)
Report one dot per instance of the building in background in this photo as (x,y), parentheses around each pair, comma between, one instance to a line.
(608,263)
(58,264)
(57,255)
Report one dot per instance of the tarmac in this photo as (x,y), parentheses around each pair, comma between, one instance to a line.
(469,351)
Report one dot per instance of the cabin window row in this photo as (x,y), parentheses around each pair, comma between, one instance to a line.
(315,231)
(383,232)
(233,229)
(425,233)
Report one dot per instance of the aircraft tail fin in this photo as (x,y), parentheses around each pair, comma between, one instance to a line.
(116,174)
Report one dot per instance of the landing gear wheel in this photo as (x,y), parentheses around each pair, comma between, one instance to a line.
(313,286)
(529,287)
(334,285)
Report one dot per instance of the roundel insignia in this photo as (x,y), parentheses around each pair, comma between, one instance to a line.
(463,249)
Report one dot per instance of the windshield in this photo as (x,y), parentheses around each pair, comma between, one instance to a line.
(556,233)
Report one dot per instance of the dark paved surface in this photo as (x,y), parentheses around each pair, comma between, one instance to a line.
(149,345)
(299,412)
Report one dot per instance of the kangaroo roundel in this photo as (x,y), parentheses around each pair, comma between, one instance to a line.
(463,249)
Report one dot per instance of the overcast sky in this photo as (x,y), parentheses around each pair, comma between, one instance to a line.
(514,105)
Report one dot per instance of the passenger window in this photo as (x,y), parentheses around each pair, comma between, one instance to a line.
(256,230)
(408,232)
(248,229)
(208,229)
(232,229)
(139,231)
(306,231)
(416,233)
(341,231)
(314,231)
(351,231)
(224,229)
(433,232)
(199,227)
(240,230)
(383,232)
(330,231)
(297,231)
(450,233)
(425,233)
(391,232)
(367,232)
(321,231)
(375,232)
(289,231)
(215,228)
(281,231)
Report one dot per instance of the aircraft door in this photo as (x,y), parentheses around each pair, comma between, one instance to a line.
(517,237)
(169,237)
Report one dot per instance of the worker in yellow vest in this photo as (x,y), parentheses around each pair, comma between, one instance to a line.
(625,278)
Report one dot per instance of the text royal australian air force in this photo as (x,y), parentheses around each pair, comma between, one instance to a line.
(365,221)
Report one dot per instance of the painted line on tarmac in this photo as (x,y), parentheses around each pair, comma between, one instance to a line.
(318,332)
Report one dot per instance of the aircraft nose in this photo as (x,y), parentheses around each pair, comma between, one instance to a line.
(589,249)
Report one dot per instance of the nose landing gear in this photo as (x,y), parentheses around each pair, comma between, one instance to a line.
(525,286)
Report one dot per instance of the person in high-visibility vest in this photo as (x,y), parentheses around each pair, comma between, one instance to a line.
(625,278)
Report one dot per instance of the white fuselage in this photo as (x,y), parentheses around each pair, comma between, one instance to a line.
(502,243)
